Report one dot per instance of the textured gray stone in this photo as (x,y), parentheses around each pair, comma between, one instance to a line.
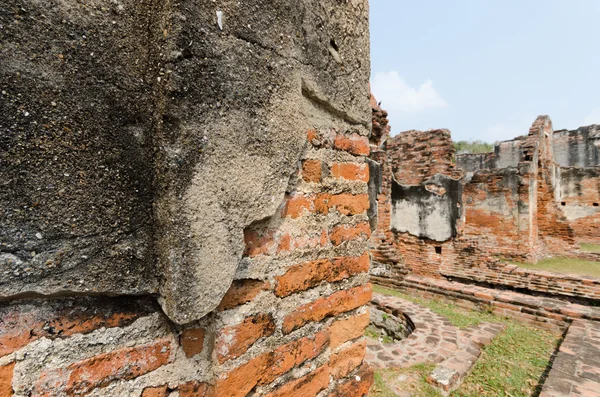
(139,139)
(430,210)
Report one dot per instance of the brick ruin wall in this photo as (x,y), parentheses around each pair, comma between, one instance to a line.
(515,205)
(251,188)
(577,154)
(410,158)
(291,323)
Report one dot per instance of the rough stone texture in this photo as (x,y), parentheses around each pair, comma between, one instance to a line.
(208,156)
(298,300)
(140,143)
(76,162)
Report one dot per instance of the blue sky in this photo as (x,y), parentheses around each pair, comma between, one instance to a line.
(485,69)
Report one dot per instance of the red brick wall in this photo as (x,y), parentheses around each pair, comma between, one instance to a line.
(580,190)
(291,324)
(411,157)
(493,213)
(514,277)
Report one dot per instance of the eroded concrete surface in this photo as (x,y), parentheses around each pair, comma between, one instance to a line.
(430,210)
(139,139)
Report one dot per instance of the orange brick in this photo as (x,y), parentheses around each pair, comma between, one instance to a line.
(357,386)
(307,386)
(6,375)
(242,291)
(337,303)
(269,366)
(349,204)
(233,341)
(310,274)
(296,205)
(348,329)
(192,341)
(354,143)
(311,134)
(258,242)
(195,389)
(285,243)
(19,329)
(342,233)
(99,371)
(13,339)
(321,203)
(311,170)
(160,391)
(351,171)
(344,362)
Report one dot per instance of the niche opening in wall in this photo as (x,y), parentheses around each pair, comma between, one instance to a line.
(563,203)
(438,250)
(595,204)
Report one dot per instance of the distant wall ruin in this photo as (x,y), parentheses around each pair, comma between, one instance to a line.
(532,197)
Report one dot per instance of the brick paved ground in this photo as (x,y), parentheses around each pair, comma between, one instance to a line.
(434,340)
(576,368)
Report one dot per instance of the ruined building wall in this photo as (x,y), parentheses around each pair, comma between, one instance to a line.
(519,214)
(184,198)
(507,212)
(580,201)
(577,153)
(386,260)
(577,148)
(415,164)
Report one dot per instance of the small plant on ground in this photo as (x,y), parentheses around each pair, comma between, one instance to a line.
(373,333)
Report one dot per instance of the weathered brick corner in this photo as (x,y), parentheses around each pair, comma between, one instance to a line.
(185,198)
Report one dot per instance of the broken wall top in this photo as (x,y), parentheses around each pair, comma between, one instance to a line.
(578,148)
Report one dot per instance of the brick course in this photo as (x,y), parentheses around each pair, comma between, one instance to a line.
(295,307)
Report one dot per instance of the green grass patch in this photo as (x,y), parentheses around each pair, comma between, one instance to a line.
(459,317)
(380,388)
(510,366)
(565,265)
(590,248)
(375,334)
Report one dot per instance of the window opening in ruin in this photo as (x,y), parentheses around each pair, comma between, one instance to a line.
(595,204)
(438,250)
(563,203)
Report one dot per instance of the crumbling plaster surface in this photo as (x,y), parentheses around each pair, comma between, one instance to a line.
(430,210)
(577,148)
(139,139)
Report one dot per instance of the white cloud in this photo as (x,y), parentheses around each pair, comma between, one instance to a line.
(396,95)
(593,117)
